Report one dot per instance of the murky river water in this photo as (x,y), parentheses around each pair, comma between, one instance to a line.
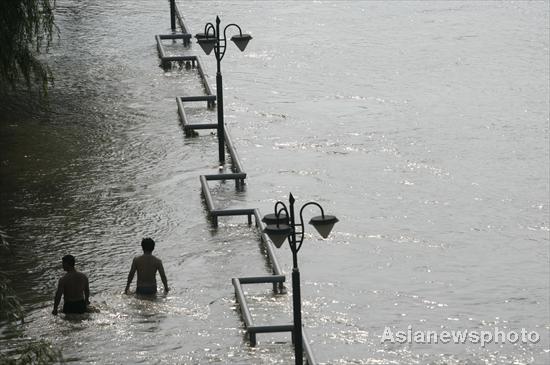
(422,125)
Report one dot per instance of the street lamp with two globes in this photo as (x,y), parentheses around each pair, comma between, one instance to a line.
(282,225)
(213,39)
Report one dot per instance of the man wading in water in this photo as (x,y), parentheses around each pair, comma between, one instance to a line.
(74,288)
(147,266)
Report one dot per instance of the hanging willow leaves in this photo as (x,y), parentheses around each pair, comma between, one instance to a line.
(37,352)
(10,306)
(26,29)
(27,351)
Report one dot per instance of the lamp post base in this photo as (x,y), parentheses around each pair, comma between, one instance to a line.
(297,309)
(221,125)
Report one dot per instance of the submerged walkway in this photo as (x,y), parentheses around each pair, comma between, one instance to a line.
(237,174)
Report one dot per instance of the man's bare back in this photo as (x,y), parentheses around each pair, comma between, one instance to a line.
(73,287)
(147,266)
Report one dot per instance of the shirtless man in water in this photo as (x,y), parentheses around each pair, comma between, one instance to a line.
(74,288)
(147,266)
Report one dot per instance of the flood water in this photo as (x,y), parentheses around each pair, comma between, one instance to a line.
(422,125)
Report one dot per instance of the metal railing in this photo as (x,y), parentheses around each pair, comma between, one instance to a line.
(252,329)
(239,175)
(185,35)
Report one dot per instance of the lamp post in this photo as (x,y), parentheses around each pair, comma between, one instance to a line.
(173,15)
(282,225)
(210,40)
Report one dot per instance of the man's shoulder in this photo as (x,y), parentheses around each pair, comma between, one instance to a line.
(147,259)
(139,258)
(155,260)
(79,274)
(72,275)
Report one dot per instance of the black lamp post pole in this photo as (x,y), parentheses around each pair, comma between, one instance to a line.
(218,42)
(282,226)
(173,15)
(219,95)
(296,296)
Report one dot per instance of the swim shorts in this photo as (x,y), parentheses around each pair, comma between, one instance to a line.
(145,290)
(74,307)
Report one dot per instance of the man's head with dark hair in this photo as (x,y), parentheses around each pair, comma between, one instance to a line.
(68,261)
(148,244)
